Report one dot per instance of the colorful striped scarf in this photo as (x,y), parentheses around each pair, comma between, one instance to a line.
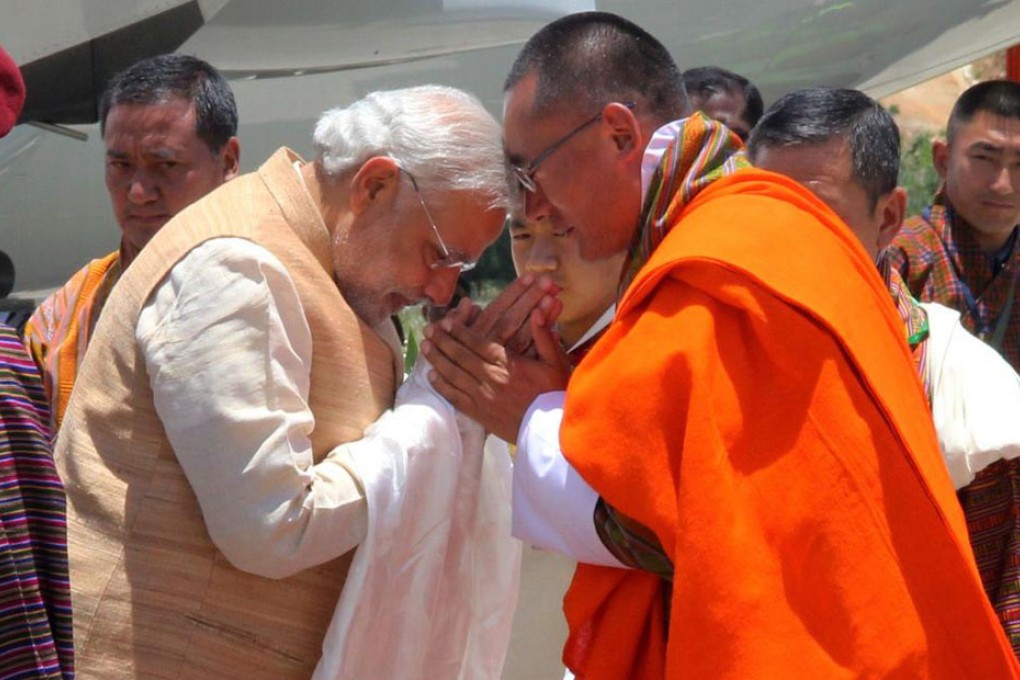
(35,599)
(704,150)
(915,319)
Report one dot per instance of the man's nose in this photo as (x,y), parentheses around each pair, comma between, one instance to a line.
(1006,180)
(541,259)
(142,188)
(441,285)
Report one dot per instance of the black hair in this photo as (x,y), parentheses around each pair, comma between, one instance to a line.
(593,58)
(818,115)
(998,97)
(156,79)
(705,81)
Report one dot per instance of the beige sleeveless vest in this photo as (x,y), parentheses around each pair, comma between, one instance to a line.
(152,596)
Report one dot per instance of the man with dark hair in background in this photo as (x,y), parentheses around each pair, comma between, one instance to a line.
(169,124)
(728,97)
(845,147)
(711,420)
(961,251)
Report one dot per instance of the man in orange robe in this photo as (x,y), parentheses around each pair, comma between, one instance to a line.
(753,407)
(779,457)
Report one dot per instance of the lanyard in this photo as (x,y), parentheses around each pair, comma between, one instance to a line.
(982,327)
(1000,326)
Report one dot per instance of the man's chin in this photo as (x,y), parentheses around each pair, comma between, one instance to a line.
(144,227)
(395,302)
(375,314)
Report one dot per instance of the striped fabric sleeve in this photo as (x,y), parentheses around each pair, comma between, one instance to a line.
(35,603)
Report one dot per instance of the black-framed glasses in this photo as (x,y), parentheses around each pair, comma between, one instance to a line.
(525,175)
(450,259)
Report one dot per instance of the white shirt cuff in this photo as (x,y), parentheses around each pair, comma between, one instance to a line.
(553,507)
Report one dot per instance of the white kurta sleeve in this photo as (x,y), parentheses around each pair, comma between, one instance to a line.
(553,507)
(228,352)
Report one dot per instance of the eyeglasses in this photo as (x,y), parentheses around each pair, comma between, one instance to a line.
(525,176)
(449,260)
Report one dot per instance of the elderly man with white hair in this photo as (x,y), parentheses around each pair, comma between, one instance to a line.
(212,507)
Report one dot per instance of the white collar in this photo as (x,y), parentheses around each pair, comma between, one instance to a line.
(596,328)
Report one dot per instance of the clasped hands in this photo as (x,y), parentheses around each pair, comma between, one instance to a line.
(492,363)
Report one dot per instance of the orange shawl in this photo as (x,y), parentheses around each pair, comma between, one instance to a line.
(59,330)
(775,437)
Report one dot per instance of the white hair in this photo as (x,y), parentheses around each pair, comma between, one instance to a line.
(441,135)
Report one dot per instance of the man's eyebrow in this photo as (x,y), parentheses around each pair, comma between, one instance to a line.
(985,146)
(161,152)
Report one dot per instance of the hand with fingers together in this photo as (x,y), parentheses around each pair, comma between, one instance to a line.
(506,319)
(478,357)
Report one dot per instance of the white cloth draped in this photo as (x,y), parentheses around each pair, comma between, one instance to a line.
(432,589)
(975,397)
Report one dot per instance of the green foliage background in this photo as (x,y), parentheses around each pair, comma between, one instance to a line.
(494,271)
(917,173)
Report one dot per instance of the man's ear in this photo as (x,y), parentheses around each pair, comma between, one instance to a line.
(230,156)
(623,128)
(375,181)
(940,157)
(893,210)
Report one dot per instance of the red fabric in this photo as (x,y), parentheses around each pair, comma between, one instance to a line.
(1013,63)
(776,439)
(12,92)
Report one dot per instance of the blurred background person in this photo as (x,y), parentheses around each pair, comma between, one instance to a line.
(728,97)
